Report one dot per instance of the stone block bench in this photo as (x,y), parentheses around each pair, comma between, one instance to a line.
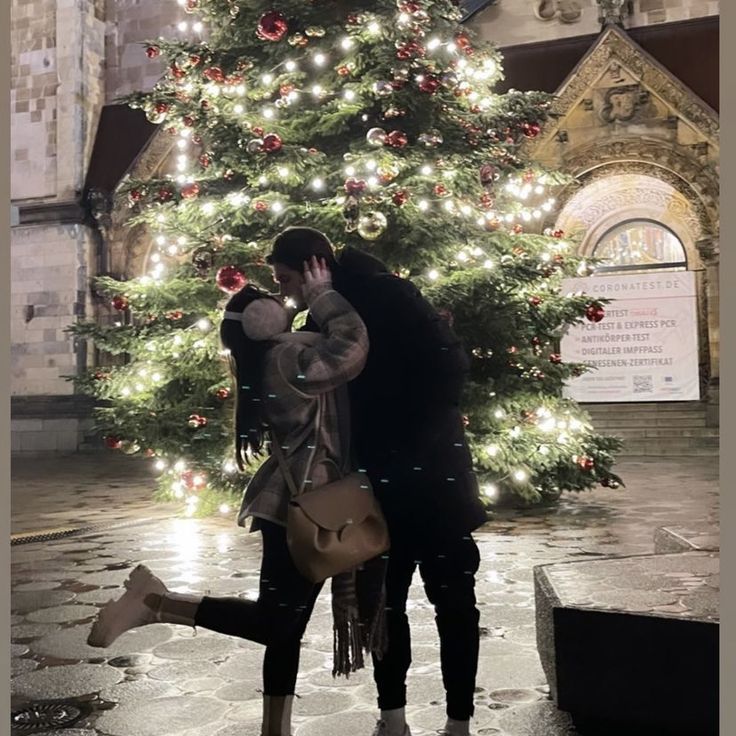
(629,645)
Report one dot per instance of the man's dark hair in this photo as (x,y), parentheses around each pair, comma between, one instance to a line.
(295,245)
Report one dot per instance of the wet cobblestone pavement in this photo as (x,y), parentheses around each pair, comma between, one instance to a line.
(163,680)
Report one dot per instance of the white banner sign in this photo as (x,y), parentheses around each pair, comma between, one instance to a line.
(645,348)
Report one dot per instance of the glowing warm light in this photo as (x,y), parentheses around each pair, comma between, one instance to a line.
(520,475)
(490,490)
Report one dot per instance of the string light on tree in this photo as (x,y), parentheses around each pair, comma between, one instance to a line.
(298,114)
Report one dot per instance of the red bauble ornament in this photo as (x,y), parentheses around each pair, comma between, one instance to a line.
(535,301)
(161,107)
(343,70)
(586,463)
(149,453)
(175,314)
(120,303)
(204,160)
(195,421)
(135,195)
(191,6)
(488,174)
(195,59)
(355,187)
(353,19)
(257,131)
(197,139)
(531,130)
(152,52)
(272,143)
(205,105)
(272,26)
(558,234)
(177,72)
(400,198)
(164,194)
(222,393)
(113,443)
(286,89)
(409,7)
(100,376)
(595,312)
(187,478)
(517,229)
(440,190)
(214,74)
(188,121)
(260,206)
(555,358)
(409,50)
(230,279)
(397,139)
(429,85)
(190,191)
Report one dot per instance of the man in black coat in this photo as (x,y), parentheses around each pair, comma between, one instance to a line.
(407,433)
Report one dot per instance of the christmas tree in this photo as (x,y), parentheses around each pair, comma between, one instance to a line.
(377,123)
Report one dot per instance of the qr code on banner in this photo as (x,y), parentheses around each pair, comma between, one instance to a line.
(643,384)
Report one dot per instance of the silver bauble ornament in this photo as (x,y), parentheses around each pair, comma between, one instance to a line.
(372,225)
(376,137)
(382,88)
(254,146)
(155,117)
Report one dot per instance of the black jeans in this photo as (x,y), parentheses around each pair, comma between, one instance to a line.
(448,572)
(277,619)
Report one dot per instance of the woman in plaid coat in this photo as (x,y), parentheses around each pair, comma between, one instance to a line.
(285,380)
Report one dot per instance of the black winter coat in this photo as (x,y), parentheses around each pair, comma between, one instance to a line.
(407,427)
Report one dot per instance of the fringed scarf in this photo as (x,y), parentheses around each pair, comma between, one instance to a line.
(359,615)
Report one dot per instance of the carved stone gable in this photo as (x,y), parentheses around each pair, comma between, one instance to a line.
(619,89)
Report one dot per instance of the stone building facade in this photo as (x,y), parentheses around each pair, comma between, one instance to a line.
(72,61)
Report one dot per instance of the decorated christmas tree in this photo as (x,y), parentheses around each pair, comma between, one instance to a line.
(376,122)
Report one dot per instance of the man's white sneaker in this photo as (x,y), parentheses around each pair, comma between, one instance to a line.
(129,611)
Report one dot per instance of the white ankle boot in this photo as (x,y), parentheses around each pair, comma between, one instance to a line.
(146,601)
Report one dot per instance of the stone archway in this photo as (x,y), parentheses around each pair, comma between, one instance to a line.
(609,194)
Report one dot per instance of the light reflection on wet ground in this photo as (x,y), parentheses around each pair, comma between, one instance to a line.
(163,680)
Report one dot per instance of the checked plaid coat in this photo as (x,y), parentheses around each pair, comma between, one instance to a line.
(306,373)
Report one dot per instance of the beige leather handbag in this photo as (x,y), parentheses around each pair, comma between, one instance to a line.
(334,528)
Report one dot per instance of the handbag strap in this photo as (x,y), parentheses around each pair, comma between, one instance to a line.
(276,447)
